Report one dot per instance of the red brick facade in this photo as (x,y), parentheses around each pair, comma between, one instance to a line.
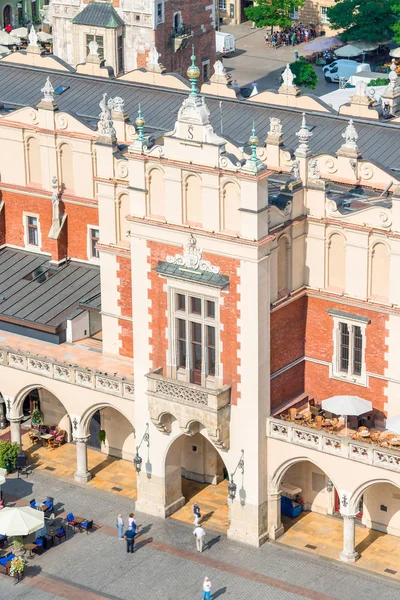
(72,241)
(125,303)
(196,15)
(304,328)
(229,315)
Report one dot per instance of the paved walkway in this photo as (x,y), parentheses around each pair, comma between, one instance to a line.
(254,61)
(166,566)
(380,553)
(119,476)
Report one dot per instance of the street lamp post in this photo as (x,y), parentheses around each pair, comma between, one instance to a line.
(137,461)
(232,487)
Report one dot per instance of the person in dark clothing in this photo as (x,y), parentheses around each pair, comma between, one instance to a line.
(130,539)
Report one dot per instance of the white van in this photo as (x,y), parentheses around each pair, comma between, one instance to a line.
(337,70)
(225,43)
(340,61)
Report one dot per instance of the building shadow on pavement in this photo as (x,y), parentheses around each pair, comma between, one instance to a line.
(369,540)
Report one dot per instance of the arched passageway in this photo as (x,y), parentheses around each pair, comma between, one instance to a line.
(195,472)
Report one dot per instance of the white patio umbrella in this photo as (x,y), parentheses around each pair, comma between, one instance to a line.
(393,424)
(395,53)
(8,40)
(346,406)
(20,521)
(348,51)
(323,43)
(365,46)
(44,37)
(4,50)
(21,32)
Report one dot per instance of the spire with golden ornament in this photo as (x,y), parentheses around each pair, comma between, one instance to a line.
(253,141)
(140,123)
(193,74)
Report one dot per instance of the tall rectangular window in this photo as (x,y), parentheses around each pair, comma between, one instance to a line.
(196,340)
(33,231)
(120,53)
(100,41)
(222,5)
(324,14)
(349,348)
(94,238)
(294,14)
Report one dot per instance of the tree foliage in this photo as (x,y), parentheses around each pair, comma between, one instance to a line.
(304,73)
(272,12)
(364,20)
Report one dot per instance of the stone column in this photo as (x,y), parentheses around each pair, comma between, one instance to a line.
(15,426)
(349,553)
(82,474)
(275,527)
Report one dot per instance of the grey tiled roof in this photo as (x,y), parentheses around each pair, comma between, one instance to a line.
(20,86)
(99,14)
(206,277)
(47,302)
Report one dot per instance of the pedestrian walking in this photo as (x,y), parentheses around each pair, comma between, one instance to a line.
(199,534)
(132,522)
(196,513)
(130,540)
(120,527)
(206,589)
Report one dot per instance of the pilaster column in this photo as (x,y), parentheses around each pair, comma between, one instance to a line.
(349,553)
(275,527)
(82,473)
(15,426)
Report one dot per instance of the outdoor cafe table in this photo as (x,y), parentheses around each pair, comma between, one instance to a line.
(30,547)
(46,437)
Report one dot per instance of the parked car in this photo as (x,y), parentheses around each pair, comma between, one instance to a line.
(225,43)
(340,61)
(337,69)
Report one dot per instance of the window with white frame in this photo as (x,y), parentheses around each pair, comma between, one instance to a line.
(195,334)
(160,13)
(349,349)
(222,5)
(294,14)
(93,238)
(32,231)
(324,14)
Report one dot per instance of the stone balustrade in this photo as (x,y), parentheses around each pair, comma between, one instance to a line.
(191,405)
(61,371)
(344,447)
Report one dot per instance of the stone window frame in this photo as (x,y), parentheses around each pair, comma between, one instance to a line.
(334,369)
(160,20)
(190,290)
(93,259)
(28,246)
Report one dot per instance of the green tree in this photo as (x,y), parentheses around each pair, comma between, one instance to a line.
(272,12)
(364,20)
(304,73)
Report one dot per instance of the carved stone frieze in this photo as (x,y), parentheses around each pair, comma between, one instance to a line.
(108,385)
(85,379)
(181,394)
(39,366)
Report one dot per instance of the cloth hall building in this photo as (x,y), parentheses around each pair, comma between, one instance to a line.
(189,267)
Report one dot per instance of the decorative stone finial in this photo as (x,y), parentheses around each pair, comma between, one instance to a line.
(351,136)
(288,76)
(253,164)
(106,125)
(48,91)
(193,74)
(275,127)
(192,258)
(116,104)
(303,135)
(32,37)
(393,79)
(140,123)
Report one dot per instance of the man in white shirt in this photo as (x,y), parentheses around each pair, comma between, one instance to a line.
(199,534)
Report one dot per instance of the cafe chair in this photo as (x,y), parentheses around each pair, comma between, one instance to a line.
(60,534)
(32,503)
(88,525)
(71,523)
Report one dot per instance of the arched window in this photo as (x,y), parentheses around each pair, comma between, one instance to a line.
(156,194)
(122,213)
(193,202)
(34,163)
(7,16)
(67,169)
(380,272)
(336,263)
(230,208)
(283,264)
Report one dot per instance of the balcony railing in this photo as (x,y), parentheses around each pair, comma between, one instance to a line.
(191,405)
(329,443)
(180,36)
